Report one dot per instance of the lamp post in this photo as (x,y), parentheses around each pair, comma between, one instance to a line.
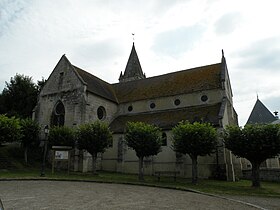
(46,131)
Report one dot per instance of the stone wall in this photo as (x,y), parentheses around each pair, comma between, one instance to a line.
(167,103)
(269,174)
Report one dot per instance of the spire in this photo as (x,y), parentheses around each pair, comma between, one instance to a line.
(223,56)
(260,114)
(133,70)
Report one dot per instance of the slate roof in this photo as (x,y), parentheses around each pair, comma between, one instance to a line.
(169,118)
(133,67)
(180,82)
(260,114)
(96,85)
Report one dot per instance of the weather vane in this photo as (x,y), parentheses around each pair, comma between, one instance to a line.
(133,36)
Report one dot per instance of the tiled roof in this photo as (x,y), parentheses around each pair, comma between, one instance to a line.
(169,118)
(96,85)
(181,82)
(260,114)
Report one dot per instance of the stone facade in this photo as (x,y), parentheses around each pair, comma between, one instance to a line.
(72,96)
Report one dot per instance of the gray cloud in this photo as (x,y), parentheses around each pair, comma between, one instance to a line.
(10,12)
(177,41)
(227,23)
(262,54)
(99,51)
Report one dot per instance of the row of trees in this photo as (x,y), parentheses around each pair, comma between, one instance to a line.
(256,143)
(253,142)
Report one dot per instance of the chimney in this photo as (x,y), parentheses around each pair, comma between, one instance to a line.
(276,114)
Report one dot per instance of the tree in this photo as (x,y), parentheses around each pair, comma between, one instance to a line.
(256,143)
(30,134)
(19,97)
(95,138)
(145,139)
(197,139)
(61,136)
(9,129)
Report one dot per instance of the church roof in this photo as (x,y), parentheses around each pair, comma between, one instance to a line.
(96,85)
(169,118)
(133,69)
(260,114)
(181,82)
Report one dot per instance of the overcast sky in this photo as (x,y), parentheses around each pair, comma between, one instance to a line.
(170,35)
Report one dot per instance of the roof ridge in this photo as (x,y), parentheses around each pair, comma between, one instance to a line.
(175,72)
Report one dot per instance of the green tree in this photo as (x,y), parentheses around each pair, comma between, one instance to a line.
(197,139)
(9,129)
(61,136)
(30,134)
(145,139)
(19,97)
(256,143)
(95,138)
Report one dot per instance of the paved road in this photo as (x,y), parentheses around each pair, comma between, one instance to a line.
(85,195)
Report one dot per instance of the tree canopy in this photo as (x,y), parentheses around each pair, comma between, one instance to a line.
(197,139)
(145,139)
(19,97)
(9,129)
(95,138)
(61,136)
(256,143)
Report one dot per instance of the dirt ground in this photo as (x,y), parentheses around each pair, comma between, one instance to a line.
(86,195)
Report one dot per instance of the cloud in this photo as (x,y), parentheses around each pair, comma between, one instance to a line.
(227,23)
(10,12)
(177,41)
(262,55)
(272,103)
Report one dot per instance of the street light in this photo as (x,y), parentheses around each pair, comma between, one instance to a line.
(46,131)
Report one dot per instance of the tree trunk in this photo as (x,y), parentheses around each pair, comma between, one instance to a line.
(25,154)
(141,169)
(256,174)
(194,169)
(94,158)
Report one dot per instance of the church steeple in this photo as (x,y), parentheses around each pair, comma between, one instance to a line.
(133,70)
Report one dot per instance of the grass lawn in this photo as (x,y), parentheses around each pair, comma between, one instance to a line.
(242,187)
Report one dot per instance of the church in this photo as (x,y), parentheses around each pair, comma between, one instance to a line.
(72,96)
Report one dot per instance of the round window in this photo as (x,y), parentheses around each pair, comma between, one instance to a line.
(177,102)
(204,98)
(130,108)
(152,105)
(101,113)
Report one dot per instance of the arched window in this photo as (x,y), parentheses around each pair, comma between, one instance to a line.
(58,114)
(163,139)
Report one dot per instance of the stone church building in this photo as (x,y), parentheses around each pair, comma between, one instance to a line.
(72,96)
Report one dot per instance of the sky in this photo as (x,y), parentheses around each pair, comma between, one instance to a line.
(170,35)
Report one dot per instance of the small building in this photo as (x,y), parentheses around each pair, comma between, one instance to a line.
(72,96)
